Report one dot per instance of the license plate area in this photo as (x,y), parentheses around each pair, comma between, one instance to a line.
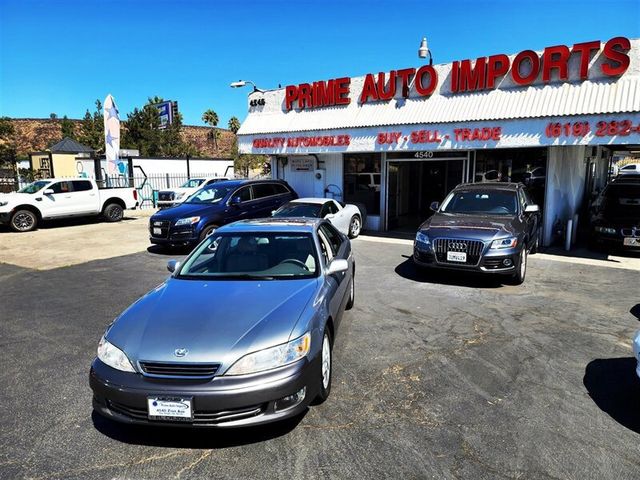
(631,242)
(460,257)
(175,409)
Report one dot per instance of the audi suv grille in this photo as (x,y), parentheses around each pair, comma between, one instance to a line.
(473,249)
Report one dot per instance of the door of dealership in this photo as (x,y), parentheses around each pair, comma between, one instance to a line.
(414,183)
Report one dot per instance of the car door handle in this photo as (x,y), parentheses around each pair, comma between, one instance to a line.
(92,194)
(67,196)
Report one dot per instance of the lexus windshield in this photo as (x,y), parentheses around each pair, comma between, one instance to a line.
(253,256)
(210,194)
(481,202)
(193,183)
(298,209)
(34,187)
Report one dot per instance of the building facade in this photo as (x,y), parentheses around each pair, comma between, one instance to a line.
(395,141)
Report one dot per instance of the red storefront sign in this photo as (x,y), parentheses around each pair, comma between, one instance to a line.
(466,75)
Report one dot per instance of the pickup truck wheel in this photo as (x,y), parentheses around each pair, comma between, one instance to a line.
(24,221)
(208,230)
(113,212)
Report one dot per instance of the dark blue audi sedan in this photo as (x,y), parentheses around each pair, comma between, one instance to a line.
(215,205)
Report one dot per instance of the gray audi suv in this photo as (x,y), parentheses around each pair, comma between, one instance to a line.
(483,227)
(240,334)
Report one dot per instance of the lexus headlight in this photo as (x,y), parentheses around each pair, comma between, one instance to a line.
(609,230)
(180,195)
(187,221)
(113,356)
(422,238)
(273,357)
(505,242)
(3,203)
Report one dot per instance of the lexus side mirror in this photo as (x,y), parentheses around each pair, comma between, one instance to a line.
(48,191)
(434,206)
(337,265)
(531,209)
(173,265)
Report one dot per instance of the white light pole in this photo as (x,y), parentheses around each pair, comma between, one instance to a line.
(243,83)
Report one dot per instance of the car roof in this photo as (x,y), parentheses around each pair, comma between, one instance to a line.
(278,224)
(489,185)
(314,200)
(245,181)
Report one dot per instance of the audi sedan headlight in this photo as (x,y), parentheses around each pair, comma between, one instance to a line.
(187,221)
(273,357)
(509,242)
(609,230)
(422,238)
(113,356)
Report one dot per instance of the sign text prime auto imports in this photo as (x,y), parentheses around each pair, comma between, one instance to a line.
(466,75)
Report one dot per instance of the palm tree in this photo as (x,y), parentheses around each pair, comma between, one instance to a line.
(211,118)
(234,124)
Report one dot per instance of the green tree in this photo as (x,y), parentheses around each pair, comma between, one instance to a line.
(53,116)
(211,118)
(68,128)
(244,163)
(142,132)
(92,129)
(7,143)
(234,124)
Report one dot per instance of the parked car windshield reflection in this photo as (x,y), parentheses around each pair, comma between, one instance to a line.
(34,187)
(193,183)
(212,194)
(260,255)
(297,209)
(490,202)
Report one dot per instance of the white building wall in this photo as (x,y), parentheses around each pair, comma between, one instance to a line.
(566,174)
(305,183)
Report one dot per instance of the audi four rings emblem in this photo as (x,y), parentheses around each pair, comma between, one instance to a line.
(181,352)
(458,246)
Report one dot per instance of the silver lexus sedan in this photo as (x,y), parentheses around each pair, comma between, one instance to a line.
(240,334)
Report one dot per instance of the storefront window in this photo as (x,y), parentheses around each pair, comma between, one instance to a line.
(362,180)
(524,165)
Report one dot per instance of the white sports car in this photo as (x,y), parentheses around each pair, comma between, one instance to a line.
(345,217)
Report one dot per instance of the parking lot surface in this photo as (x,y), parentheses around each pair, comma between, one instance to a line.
(436,376)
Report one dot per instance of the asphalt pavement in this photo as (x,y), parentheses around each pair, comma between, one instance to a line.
(436,376)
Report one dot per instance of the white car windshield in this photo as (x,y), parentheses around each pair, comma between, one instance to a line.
(34,187)
(253,255)
(476,201)
(193,183)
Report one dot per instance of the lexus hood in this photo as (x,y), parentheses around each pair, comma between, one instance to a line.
(470,226)
(217,321)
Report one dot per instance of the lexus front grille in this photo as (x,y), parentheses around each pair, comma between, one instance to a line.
(179,369)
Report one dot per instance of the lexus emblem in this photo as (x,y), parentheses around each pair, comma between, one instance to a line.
(181,352)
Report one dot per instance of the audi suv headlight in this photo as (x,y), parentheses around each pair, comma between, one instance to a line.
(187,221)
(609,230)
(509,242)
(422,238)
(273,357)
(113,356)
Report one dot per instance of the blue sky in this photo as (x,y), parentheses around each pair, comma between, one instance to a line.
(60,55)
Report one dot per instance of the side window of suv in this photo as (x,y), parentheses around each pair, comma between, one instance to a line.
(244,193)
(262,190)
(61,187)
(280,189)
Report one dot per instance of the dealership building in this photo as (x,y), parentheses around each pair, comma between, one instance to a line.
(555,119)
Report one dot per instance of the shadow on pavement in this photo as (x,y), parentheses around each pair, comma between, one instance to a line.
(635,311)
(196,438)
(614,387)
(408,270)
(168,251)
